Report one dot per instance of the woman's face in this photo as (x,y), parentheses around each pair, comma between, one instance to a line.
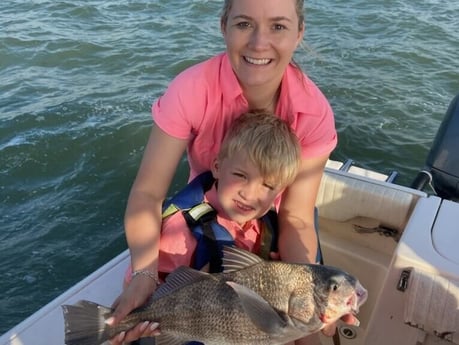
(261,36)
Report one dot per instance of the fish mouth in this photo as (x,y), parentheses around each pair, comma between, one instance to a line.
(257,61)
(357,299)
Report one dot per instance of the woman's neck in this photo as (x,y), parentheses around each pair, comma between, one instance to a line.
(262,98)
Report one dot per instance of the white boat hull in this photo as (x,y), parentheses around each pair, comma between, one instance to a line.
(422,238)
(46,326)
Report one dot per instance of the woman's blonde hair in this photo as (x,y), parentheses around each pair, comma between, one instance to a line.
(228,3)
(269,143)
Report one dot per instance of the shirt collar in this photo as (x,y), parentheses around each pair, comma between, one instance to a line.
(228,80)
(294,84)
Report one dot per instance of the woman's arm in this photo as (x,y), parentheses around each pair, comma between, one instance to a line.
(143,221)
(297,235)
(143,213)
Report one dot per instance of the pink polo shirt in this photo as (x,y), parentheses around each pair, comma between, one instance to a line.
(177,244)
(202,101)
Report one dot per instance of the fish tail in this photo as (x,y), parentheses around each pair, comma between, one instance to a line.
(85,324)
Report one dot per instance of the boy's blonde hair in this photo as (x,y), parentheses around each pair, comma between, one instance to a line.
(269,143)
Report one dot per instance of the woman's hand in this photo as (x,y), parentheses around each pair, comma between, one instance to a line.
(136,294)
(145,329)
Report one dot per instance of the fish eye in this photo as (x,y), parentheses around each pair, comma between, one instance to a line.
(334,286)
(335,283)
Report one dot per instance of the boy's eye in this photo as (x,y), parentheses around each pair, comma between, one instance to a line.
(239,175)
(270,187)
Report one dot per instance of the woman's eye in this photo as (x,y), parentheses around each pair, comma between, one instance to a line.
(279,27)
(243,25)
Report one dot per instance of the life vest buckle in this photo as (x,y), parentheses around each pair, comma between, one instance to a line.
(202,212)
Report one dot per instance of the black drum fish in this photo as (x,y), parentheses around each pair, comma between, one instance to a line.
(252,302)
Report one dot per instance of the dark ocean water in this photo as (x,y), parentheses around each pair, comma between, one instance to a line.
(78,79)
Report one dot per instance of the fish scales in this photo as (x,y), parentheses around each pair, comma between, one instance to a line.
(268,280)
(253,302)
(193,312)
(190,314)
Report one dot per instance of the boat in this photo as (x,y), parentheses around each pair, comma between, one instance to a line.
(401,242)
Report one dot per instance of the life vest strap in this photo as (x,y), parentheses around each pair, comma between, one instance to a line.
(215,259)
(199,211)
(170,210)
(211,236)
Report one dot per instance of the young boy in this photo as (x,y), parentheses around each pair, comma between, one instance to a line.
(259,157)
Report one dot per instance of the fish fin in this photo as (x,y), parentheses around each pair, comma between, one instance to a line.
(235,259)
(262,314)
(85,323)
(179,278)
(168,339)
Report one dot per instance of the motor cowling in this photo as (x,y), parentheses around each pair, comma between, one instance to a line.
(443,160)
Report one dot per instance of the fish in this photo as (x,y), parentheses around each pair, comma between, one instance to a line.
(251,302)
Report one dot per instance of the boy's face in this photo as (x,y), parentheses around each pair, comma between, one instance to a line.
(242,192)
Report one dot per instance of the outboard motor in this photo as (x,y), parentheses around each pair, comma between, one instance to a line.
(442,164)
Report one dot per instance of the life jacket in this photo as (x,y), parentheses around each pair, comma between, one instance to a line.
(201,218)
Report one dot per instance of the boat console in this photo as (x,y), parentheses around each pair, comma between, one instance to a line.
(419,301)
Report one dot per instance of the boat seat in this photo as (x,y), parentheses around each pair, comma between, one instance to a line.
(342,197)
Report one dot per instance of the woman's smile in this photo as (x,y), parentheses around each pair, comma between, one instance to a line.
(257,61)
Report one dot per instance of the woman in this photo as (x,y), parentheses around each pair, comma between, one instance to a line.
(255,72)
